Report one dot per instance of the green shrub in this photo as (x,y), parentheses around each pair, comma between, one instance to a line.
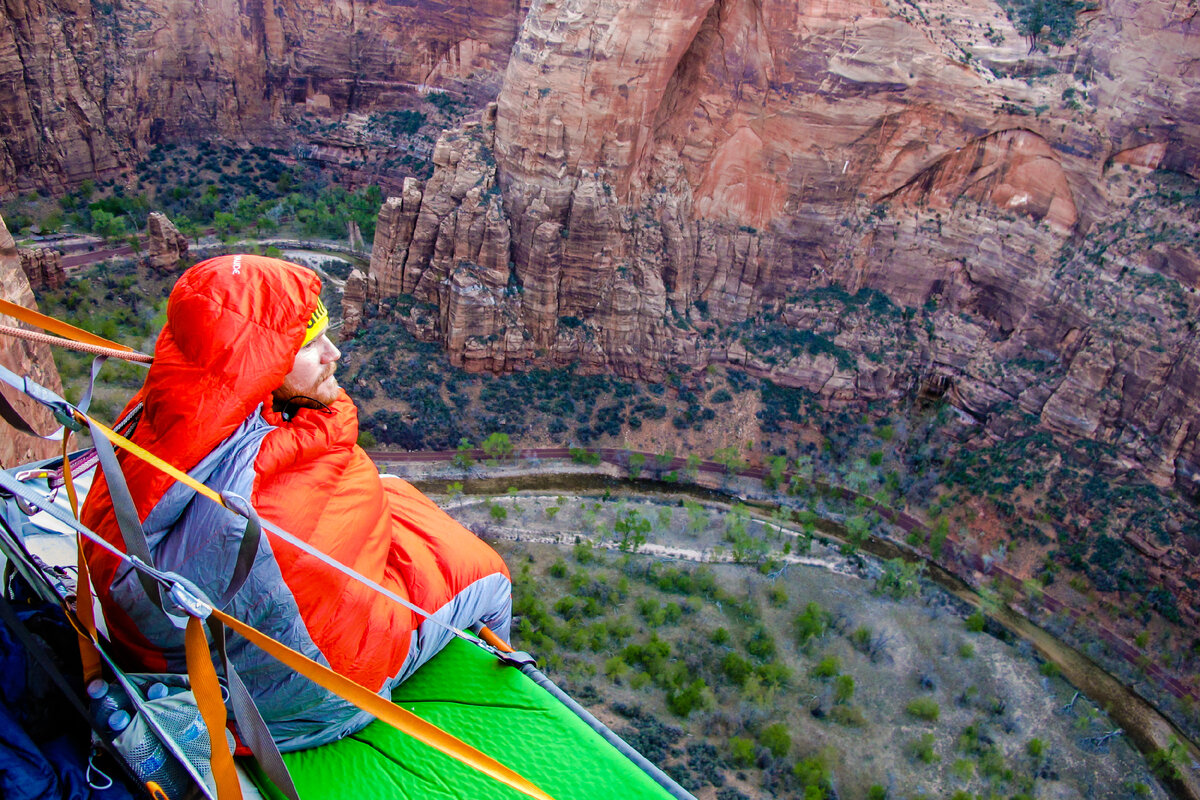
(924,708)
(736,668)
(850,716)
(813,773)
(843,689)
(741,751)
(922,749)
(697,696)
(776,738)
(811,623)
(826,668)
(761,644)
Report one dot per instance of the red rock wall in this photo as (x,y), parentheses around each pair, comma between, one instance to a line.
(88,87)
(666,166)
(23,358)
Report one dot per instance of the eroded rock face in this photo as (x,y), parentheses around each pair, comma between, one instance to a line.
(86,88)
(166,245)
(669,171)
(655,174)
(43,268)
(24,358)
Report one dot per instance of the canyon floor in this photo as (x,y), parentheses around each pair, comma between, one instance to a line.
(812,674)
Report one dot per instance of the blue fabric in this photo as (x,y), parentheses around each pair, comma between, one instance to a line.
(43,741)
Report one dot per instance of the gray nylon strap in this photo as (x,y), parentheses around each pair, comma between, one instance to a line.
(383,590)
(28,387)
(126,512)
(251,726)
(247,550)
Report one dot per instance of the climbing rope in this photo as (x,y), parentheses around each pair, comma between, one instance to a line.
(83,347)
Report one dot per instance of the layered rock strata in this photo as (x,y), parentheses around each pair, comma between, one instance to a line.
(27,359)
(88,87)
(43,268)
(656,178)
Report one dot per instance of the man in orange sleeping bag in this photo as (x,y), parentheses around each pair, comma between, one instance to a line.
(241,395)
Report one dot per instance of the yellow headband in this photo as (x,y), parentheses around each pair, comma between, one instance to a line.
(317,323)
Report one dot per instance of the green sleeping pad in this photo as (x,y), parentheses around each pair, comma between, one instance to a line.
(492,707)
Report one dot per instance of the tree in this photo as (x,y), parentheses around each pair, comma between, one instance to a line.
(498,512)
(1052,20)
(697,516)
(775,473)
(462,455)
(1165,762)
(632,527)
(900,579)
(730,458)
(109,226)
(497,446)
(636,462)
(581,455)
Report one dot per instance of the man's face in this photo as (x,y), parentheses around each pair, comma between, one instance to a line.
(312,373)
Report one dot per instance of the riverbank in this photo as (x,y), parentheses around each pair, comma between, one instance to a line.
(1145,724)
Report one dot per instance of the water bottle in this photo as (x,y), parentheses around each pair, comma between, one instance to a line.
(105,700)
(119,720)
(146,754)
(193,740)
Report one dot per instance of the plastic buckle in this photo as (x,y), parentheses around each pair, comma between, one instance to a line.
(517,658)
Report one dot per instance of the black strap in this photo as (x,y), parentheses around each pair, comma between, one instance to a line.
(15,420)
(247,550)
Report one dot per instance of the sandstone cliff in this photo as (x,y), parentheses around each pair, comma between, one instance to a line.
(87,87)
(23,358)
(164,243)
(43,268)
(655,178)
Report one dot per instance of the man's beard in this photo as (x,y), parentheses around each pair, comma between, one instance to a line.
(324,391)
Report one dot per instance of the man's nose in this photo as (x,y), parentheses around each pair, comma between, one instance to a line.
(331,353)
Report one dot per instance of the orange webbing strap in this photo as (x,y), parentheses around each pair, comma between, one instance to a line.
(147,456)
(53,325)
(203,677)
(394,715)
(89,656)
